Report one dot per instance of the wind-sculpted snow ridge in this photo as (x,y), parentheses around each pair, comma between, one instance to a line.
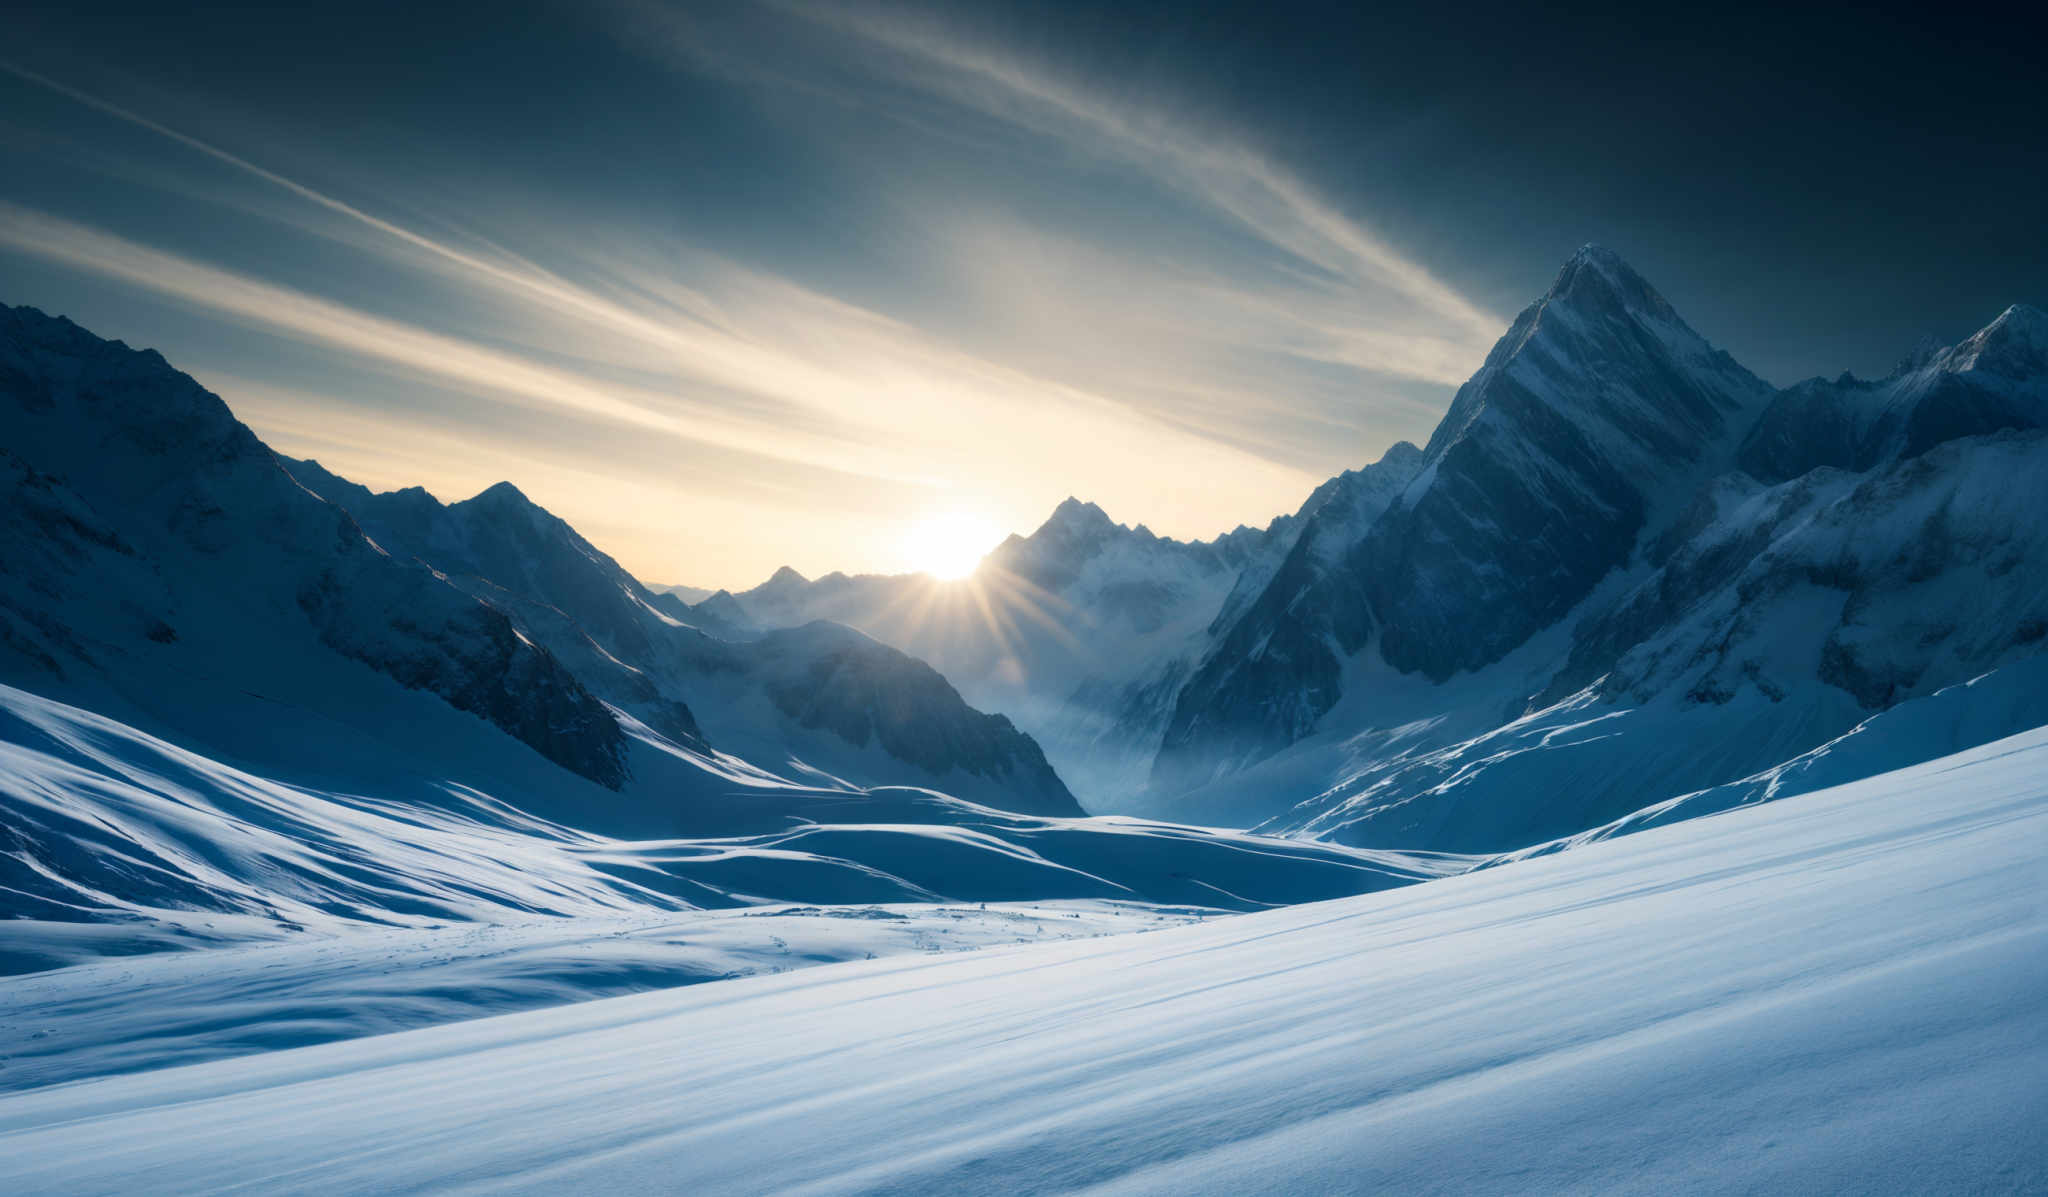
(1835,993)
(120,842)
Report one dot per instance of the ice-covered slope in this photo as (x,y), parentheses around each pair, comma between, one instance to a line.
(2002,703)
(1839,992)
(818,699)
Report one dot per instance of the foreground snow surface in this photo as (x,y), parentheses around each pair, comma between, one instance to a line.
(1840,991)
(132,1013)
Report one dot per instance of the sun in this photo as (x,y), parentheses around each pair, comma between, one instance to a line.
(949,544)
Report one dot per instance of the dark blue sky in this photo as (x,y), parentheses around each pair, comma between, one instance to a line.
(730,285)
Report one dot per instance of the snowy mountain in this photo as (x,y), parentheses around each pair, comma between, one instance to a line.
(146,532)
(1077,632)
(686,594)
(1596,407)
(1622,568)
(150,533)
(821,700)
(1995,379)
(1612,581)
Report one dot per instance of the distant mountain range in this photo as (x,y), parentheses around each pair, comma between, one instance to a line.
(240,695)
(1616,526)
(1624,582)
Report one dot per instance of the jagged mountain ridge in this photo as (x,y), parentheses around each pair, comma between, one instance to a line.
(1745,618)
(197,751)
(846,707)
(150,531)
(1995,379)
(146,528)
(1617,523)
(1076,631)
(1536,484)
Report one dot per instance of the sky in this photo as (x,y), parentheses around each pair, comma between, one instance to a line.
(737,285)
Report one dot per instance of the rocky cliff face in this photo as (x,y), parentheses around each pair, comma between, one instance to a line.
(1598,405)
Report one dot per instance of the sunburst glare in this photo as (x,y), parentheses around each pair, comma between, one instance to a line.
(949,544)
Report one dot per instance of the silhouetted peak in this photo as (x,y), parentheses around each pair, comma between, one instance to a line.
(1073,515)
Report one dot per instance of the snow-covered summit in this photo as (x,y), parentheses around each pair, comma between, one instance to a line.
(1613,506)
(1596,279)
(1595,410)
(2014,346)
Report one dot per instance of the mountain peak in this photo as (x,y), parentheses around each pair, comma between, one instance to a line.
(1597,280)
(1598,256)
(2015,345)
(1401,454)
(1073,513)
(786,576)
(502,492)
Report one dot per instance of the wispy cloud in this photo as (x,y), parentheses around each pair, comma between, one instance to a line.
(762,419)
(1224,171)
(1365,303)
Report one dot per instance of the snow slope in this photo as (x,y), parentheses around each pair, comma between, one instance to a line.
(131,1014)
(1839,992)
(119,842)
(2001,703)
